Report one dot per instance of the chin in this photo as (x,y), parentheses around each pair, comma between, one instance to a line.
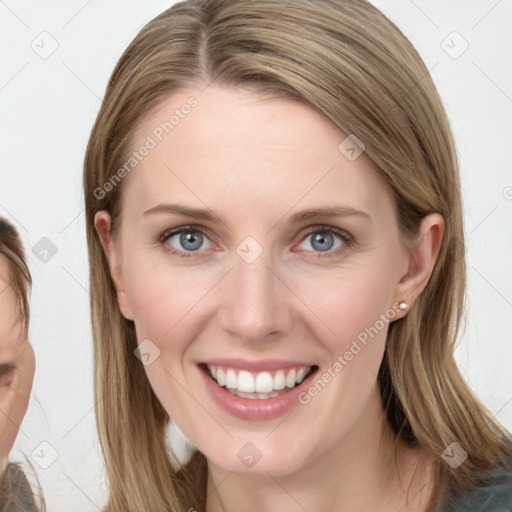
(248,456)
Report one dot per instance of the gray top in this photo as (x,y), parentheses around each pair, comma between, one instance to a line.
(496,496)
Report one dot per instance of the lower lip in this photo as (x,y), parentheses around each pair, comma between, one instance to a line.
(255,409)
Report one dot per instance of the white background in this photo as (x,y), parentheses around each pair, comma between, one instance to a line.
(48,107)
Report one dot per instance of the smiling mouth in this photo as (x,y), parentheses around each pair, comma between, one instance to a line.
(258,385)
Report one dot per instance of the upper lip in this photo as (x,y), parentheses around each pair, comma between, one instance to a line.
(255,365)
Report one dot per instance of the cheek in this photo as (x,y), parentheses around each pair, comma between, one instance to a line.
(162,301)
(154,309)
(348,305)
(161,298)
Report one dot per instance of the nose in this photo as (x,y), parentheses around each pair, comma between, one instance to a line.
(255,301)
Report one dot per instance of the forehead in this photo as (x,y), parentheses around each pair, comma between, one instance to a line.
(238,145)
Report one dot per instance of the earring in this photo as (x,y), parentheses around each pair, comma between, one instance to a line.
(403,306)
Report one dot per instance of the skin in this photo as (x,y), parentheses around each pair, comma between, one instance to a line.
(17,367)
(256,162)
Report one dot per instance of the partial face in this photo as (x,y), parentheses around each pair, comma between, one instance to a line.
(17,366)
(251,288)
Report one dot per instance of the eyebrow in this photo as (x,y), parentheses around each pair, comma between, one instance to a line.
(209,215)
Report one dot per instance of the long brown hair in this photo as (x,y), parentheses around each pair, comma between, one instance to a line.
(346,60)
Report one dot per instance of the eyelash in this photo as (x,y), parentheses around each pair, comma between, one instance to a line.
(346,238)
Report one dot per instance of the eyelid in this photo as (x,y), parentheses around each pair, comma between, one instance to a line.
(174,231)
(6,374)
(321,228)
(5,367)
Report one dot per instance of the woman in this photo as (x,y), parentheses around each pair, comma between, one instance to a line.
(17,366)
(302,149)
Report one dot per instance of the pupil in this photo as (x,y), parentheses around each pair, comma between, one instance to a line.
(321,239)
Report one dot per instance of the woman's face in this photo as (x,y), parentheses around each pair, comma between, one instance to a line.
(254,286)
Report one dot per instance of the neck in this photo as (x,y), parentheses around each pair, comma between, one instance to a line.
(358,473)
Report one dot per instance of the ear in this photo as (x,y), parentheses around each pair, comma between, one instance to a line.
(420,260)
(102,223)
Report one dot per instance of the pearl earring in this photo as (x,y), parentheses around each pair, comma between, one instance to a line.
(403,306)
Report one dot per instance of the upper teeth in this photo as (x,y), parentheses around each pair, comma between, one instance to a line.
(262,382)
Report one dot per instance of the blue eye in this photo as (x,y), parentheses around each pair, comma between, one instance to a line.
(188,239)
(329,240)
(322,241)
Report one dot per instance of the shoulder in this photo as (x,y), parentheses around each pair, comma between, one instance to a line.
(494,496)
